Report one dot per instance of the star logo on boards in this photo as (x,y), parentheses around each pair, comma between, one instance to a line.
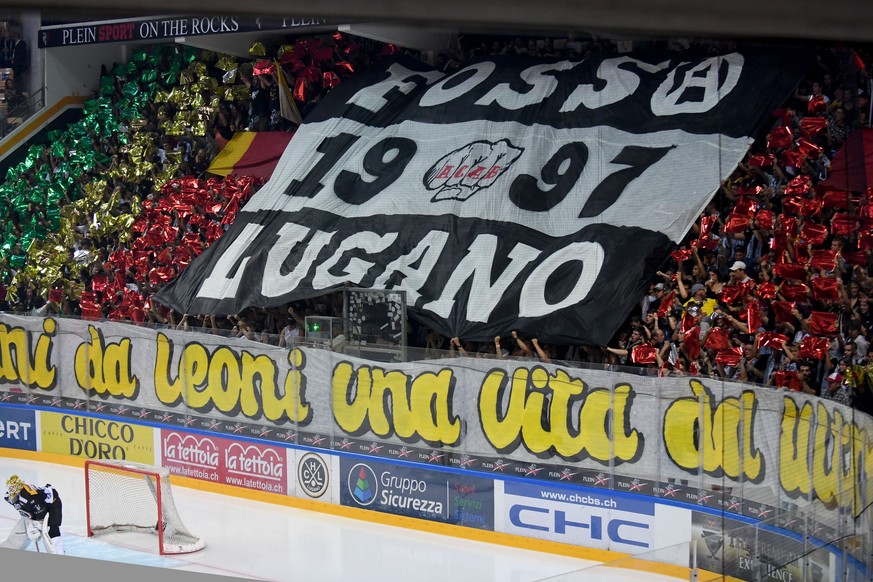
(99,407)
(317,440)
(164,417)
(636,485)
(466,461)
(404,452)
(345,444)
(375,448)
(763,512)
(601,479)
(434,456)
(142,413)
(703,497)
(670,490)
(189,421)
(499,465)
(289,435)
(237,428)
(532,470)
(734,504)
(78,405)
(566,475)
(31,399)
(265,431)
(213,424)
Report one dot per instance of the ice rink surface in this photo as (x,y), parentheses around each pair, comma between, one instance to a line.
(263,541)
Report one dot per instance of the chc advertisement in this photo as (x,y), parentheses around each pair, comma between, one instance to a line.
(591,518)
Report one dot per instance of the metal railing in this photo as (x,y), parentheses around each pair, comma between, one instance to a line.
(18,115)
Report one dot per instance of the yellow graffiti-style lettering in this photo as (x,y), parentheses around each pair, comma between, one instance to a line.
(232,383)
(716,438)
(18,365)
(392,402)
(537,412)
(823,454)
(291,405)
(105,367)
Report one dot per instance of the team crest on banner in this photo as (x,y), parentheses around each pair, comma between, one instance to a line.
(527,194)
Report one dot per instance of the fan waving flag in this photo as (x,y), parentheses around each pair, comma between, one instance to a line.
(516,193)
(251,153)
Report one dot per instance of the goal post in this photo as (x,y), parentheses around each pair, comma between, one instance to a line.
(126,496)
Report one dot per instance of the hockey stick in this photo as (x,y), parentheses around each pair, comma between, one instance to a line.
(46,540)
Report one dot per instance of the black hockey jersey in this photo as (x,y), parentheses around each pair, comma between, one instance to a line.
(33,501)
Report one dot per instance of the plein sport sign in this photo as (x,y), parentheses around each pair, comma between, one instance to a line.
(528,194)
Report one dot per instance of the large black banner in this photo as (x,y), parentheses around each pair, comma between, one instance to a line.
(513,194)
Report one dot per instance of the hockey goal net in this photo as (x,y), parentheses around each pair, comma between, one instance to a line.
(127,496)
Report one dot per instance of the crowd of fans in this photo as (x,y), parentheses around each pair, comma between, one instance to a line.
(772,286)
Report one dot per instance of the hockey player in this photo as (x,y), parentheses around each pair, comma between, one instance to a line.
(41,514)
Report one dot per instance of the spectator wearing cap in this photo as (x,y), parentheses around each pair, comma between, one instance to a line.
(738,273)
(652,300)
(838,388)
(697,298)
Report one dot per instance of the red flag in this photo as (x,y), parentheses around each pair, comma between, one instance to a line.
(792,159)
(263,67)
(792,204)
(808,148)
(816,104)
(843,224)
(745,206)
(784,378)
(691,343)
(783,310)
(730,294)
(717,339)
(822,323)
(681,255)
(707,244)
(688,321)
(813,233)
(643,354)
(823,259)
(779,138)
(859,258)
(794,291)
(810,207)
(825,289)
(762,160)
(251,153)
(766,290)
(811,126)
(729,356)
(813,347)
(764,218)
(737,223)
(666,304)
(788,225)
(790,271)
(771,340)
(706,223)
(799,185)
(753,316)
